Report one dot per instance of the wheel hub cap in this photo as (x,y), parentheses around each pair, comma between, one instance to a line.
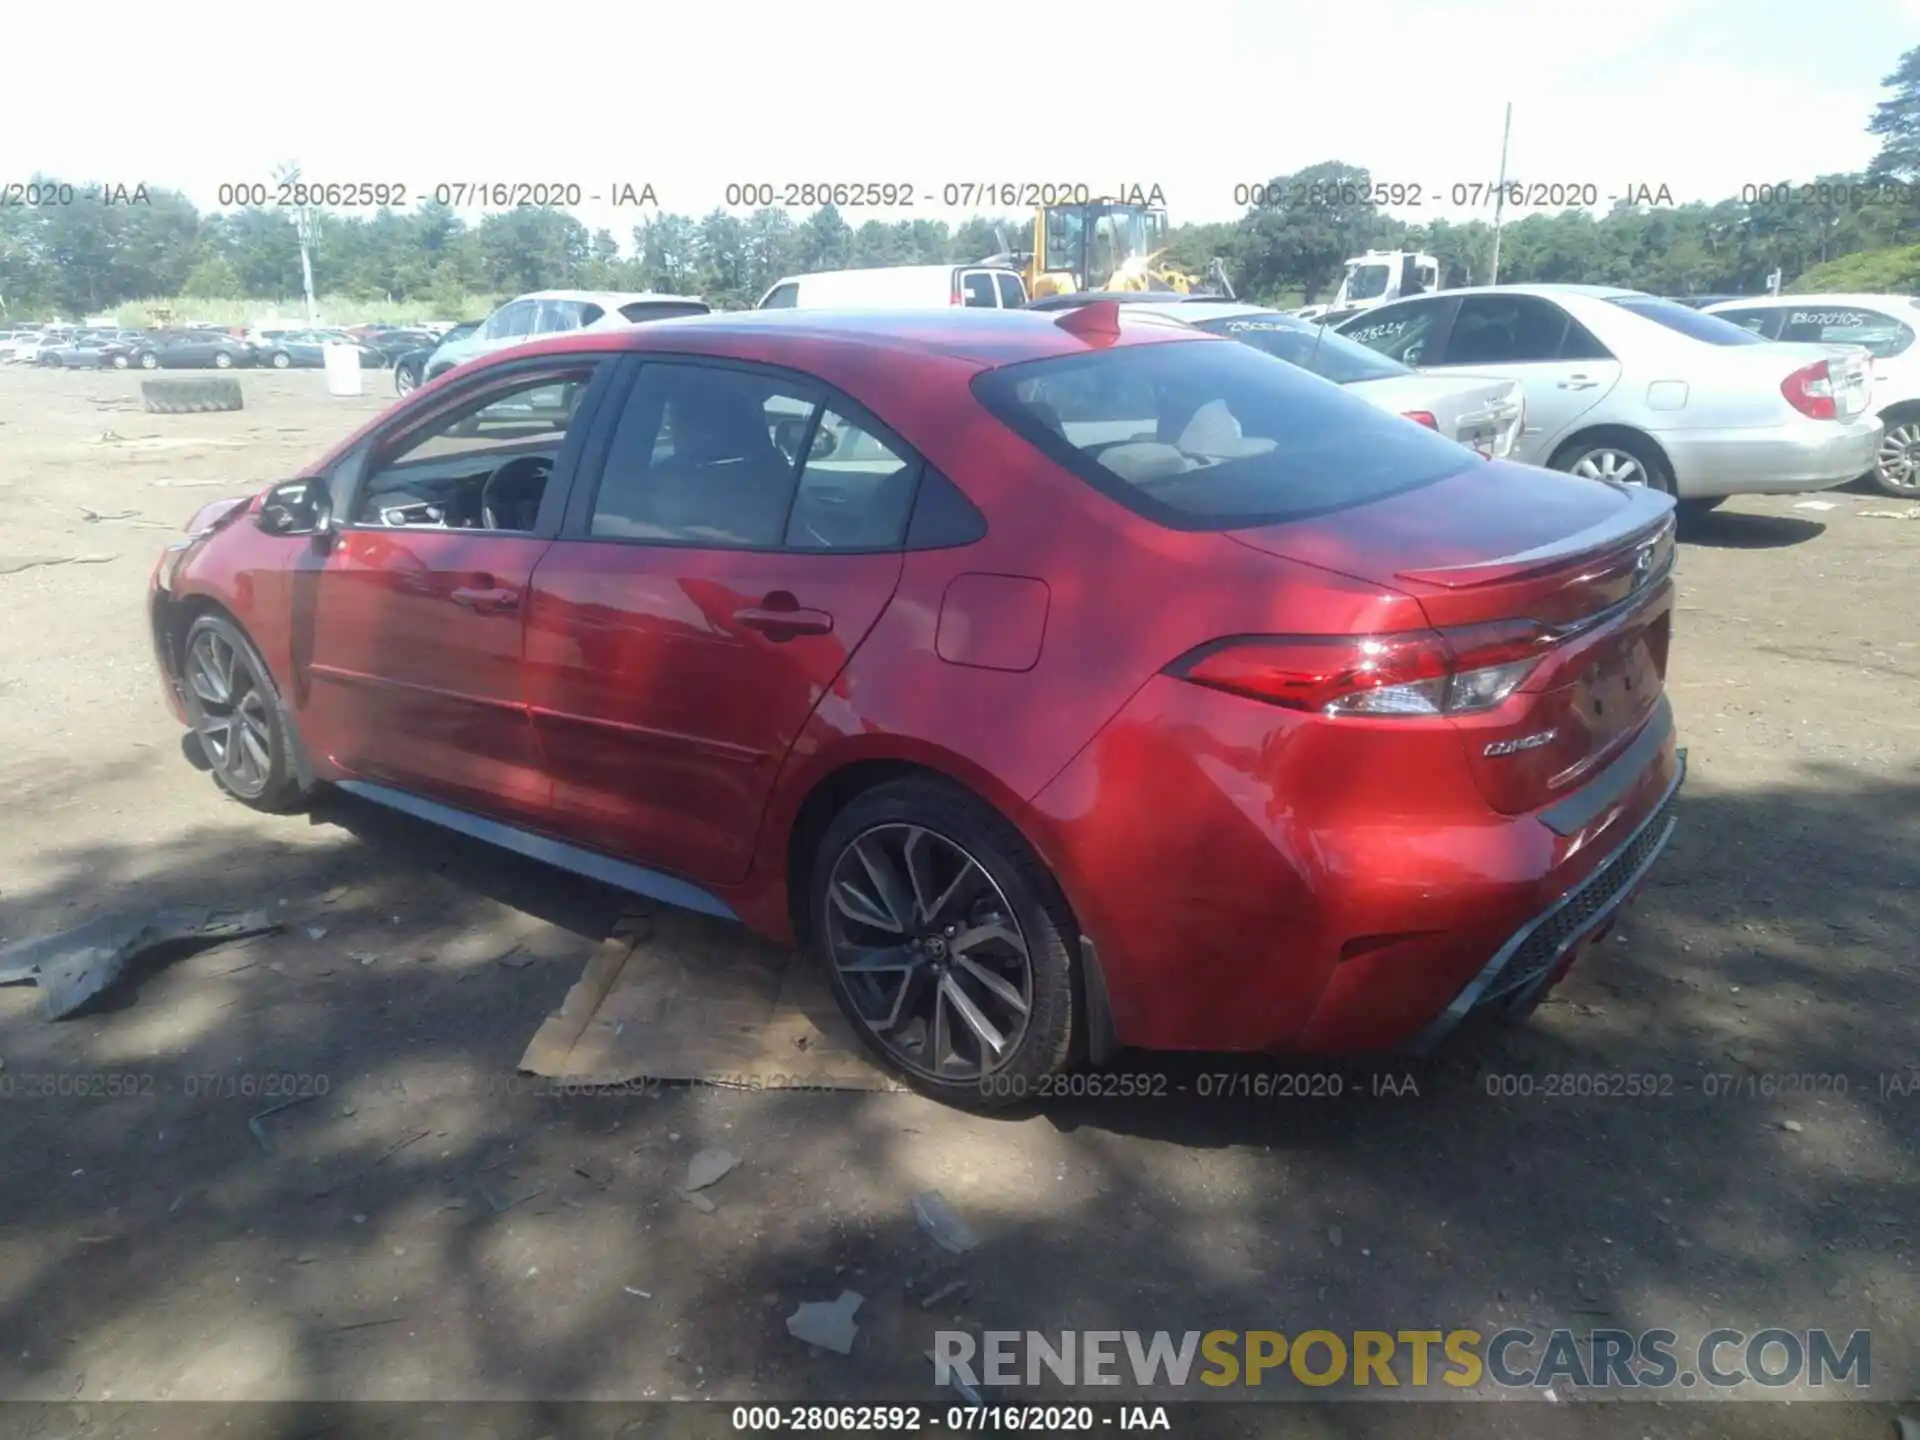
(1899,459)
(928,953)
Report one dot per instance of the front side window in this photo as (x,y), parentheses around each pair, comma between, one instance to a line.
(512,321)
(976,289)
(1012,293)
(555,316)
(481,464)
(1065,228)
(1205,436)
(781,297)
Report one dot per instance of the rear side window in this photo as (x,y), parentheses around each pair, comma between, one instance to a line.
(976,288)
(1691,323)
(1204,436)
(1760,322)
(1400,332)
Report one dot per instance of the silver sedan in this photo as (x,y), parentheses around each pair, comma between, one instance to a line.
(1625,386)
(1483,412)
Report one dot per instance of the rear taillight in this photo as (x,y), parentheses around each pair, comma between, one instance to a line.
(1810,391)
(1422,417)
(1458,671)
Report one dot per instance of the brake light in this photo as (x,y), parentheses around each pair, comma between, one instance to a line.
(1810,391)
(1459,671)
(1422,417)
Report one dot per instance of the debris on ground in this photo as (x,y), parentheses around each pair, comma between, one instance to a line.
(14,564)
(259,1132)
(1912,512)
(828,1324)
(1814,505)
(73,966)
(945,1292)
(698,1201)
(943,1223)
(1792,1127)
(500,1204)
(518,958)
(709,1167)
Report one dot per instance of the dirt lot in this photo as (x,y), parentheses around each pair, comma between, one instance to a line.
(432,1228)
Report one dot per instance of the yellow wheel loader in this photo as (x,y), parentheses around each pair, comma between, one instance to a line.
(1106,245)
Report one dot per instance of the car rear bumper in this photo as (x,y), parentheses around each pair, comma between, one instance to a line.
(1255,880)
(1772,460)
(1539,953)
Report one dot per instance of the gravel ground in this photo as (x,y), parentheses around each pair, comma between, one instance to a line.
(433,1228)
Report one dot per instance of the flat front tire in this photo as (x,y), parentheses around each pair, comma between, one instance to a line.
(947,942)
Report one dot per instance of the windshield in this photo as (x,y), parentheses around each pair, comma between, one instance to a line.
(1366,282)
(1710,328)
(1311,347)
(1202,436)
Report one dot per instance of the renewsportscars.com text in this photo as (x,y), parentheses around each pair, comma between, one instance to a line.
(1448,1361)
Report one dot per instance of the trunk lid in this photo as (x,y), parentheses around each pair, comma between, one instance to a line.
(1497,546)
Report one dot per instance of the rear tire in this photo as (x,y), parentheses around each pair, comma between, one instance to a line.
(281,360)
(222,361)
(242,726)
(926,1012)
(1896,467)
(1619,459)
(405,378)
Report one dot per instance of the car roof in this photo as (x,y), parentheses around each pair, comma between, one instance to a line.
(612,299)
(980,336)
(1850,297)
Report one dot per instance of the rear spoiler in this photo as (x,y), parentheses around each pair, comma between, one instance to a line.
(1646,519)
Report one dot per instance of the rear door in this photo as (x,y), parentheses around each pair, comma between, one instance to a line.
(1564,370)
(744,534)
(413,622)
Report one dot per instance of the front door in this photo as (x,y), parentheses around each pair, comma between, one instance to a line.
(414,623)
(702,604)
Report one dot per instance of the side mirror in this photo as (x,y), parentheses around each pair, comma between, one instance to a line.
(297,507)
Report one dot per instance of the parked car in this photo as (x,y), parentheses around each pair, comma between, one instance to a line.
(27,349)
(1886,326)
(1480,412)
(1626,386)
(307,350)
(1700,302)
(556,312)
(85,350)
(1247,735)
(193,350)
(389,345)
(900,287)
(410,367)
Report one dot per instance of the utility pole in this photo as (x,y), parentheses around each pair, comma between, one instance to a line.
(1500,195)
(303,226)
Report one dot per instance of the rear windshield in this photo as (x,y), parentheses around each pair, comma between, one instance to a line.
(640,311)
(1688,321)
(1202,436)
(1310,346)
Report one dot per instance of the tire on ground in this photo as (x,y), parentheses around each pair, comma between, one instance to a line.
(1039,907)
(190,397)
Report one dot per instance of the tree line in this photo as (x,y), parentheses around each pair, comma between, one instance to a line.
(1832,232)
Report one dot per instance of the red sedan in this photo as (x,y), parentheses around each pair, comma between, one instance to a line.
(1065,682)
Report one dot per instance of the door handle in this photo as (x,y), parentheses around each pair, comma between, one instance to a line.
(778,624)
(1578,382)
(485,601)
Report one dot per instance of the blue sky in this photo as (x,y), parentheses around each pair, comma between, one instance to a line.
(1696,96)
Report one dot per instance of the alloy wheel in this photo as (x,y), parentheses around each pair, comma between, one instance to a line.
(928,950)
(236,726)
(1608,464)
(1897,467)
(222,361)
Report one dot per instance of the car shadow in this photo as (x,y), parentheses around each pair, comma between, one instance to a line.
(1732,530)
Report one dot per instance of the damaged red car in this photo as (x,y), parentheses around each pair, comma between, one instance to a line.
(1063,682)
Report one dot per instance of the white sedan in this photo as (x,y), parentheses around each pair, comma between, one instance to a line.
(1483,412)
(1888,326)
(1628,387)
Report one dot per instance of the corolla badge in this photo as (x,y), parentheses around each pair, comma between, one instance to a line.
(1524,742)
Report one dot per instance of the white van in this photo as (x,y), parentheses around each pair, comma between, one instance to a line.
(900,287)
